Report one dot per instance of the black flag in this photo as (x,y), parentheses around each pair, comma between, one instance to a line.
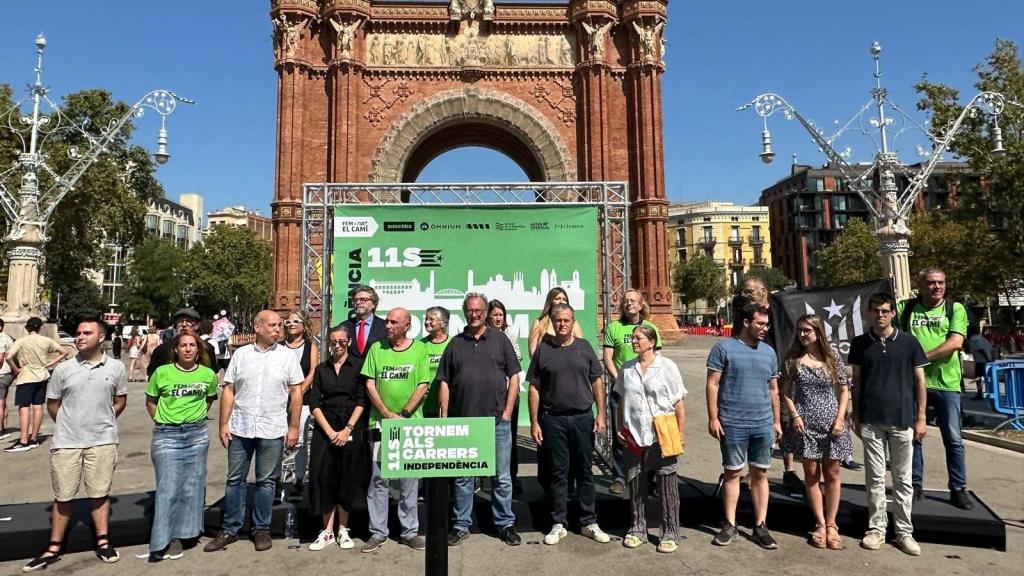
(844,311)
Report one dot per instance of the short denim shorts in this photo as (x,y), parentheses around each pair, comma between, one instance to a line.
(742,445)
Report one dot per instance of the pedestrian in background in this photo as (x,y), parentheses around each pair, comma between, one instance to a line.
(29,360)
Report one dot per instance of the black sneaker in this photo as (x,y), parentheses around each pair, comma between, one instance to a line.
(852,464)
(17,446)
(961,499)
(918,494)
(725,535)
(792,482)
(108,554)
(763,538)
(509,535)
(40,563)
(456,536)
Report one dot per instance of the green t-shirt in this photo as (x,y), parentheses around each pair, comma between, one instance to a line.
(181,396)
(931,327)
(619,336)
(431,405)
(396,375)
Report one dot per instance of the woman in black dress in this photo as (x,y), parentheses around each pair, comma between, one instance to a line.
(339,460)
(815,391)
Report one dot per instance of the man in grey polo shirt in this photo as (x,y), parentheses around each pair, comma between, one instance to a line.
(260,405)
(84,397)
(479,376)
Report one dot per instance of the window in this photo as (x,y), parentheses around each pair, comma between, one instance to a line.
(817,184)
(755,232)
(152,223)
(681,236)
(734,233)
(839,202)
(758,254)
(735,219)
(707,219)
(167,228)
(756,218)
(839,221)
(707,230)
(737,254)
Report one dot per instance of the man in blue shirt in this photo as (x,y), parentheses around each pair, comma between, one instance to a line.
(743,415)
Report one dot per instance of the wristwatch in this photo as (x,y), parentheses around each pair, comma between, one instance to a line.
(405,413)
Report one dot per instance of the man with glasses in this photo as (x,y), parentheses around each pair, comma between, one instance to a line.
(479,376)
(743,415)
(186,321)
(888,412)
(364,326)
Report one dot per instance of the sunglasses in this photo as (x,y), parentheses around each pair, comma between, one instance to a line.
(292,322)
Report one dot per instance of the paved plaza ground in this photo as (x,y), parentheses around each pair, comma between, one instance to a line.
(995,475)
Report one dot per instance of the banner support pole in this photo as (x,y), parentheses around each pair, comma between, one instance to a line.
(437,526)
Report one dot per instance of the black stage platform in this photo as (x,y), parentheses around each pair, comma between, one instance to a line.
(935,519)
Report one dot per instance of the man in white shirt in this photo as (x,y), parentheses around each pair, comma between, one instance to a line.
(259,418)
(6,377)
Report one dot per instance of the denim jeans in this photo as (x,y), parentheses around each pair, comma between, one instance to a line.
(179,463)
(570,448)
(241,452)
(501,493)
(876,438)
(948,417)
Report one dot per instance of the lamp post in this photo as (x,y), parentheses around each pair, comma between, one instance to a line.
(28,211)
(888,207)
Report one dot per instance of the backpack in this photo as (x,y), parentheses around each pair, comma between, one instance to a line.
(908,308)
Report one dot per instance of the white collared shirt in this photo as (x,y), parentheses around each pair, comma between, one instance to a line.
(644,396)
(261,380)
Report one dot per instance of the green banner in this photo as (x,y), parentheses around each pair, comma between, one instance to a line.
(436,447)
(422,256)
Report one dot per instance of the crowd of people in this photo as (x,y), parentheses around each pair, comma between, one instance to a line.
(302,419)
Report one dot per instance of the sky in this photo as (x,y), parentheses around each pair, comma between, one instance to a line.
(720,55)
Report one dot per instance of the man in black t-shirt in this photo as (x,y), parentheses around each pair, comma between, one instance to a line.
(566,380)
(888,412)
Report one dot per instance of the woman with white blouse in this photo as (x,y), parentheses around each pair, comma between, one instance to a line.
(650,385)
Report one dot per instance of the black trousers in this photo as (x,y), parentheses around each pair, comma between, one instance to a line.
(569,447)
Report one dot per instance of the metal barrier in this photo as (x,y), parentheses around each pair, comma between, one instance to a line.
(1006,381)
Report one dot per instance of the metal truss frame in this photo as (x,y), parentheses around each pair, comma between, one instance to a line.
(318,201)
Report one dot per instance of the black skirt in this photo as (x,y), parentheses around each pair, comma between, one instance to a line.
(339,475)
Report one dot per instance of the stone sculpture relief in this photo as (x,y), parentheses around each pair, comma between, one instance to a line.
(649,39)
(596,36)
(287,34)
(470,48)
(346,33)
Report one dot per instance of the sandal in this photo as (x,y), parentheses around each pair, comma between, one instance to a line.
(105,551)
(42,561)
(667,546)
(834,542)
(819,536)
(632,541)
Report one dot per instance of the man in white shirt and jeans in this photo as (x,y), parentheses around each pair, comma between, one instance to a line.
(259,417)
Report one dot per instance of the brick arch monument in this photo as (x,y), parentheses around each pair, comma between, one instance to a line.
(373,90)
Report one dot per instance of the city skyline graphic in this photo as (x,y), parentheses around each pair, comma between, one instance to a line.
(513,293)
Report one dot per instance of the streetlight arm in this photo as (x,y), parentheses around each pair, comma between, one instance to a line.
(9,204)
(766,104)
(991,102)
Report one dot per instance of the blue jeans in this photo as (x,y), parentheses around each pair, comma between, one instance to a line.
(501,493)
(179,463)
(740,446)
(947,416)
(241,451)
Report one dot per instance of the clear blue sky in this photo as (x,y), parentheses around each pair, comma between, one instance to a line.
(720,55)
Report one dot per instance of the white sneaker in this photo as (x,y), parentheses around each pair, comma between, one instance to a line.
(908,545)
(344,540)
(325,538)
(594,532)
(555,535)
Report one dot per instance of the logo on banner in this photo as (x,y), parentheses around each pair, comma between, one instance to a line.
(399,226)
(843,322)
(354,226)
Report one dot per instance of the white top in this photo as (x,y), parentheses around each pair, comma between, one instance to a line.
(5,344)
(261,381)
(644,396)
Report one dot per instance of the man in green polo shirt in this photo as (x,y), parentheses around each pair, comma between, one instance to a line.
(940,327)
(618,349)
(396,381)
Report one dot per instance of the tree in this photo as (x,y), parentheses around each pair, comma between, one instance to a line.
(851,259)
(155,283)
(230,270)
(109,200)
(699,279)
(998,195)
(82,297)
(966,250)
(773,278)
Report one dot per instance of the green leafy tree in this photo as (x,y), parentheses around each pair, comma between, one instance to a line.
(155,283)
(851,259)
(230,270)
(998,197)
(81,298)
(968,251)
(699,279)
(109,200)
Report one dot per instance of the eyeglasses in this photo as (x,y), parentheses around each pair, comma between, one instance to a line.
(805,330)
(762,325)
(339,342)
(361,299)
(292,322)
(880,312)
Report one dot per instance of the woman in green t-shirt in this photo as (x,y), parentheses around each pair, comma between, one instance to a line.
(177,397)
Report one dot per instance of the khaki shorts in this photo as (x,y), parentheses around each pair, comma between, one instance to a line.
(69,466)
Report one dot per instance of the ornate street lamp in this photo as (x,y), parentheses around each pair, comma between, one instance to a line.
(888,207)
(28,211)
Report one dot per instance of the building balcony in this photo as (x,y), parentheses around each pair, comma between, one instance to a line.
(719,262)
(735,241)
(758,263)
(755,240)
(737,263)
(707,241)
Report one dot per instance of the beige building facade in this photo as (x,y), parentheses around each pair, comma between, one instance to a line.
(241,217)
